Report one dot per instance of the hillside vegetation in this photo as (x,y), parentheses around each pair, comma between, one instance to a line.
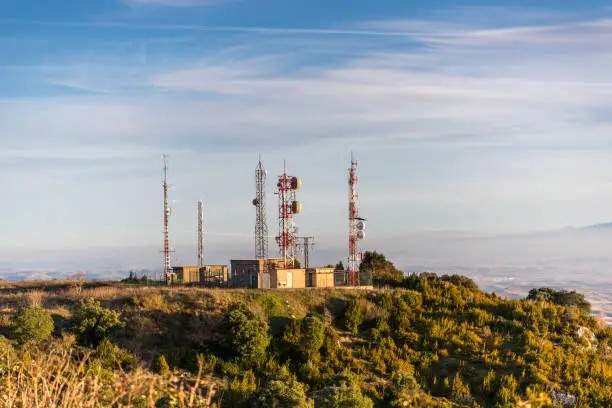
(429,342)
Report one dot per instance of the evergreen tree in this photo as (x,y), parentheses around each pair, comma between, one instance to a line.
(380,269)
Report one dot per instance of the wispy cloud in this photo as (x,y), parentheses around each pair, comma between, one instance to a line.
(218,28)
(595,32)
(173,3)
(461,124)
(444,94)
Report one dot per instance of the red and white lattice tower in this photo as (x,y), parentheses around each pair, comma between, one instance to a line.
(287,208)
(356,227)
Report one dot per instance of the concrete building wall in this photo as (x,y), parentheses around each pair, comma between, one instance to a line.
(254,273)
(264,280)
(274,278)
(287,278)
(243,272)
(320,277)
(299,278)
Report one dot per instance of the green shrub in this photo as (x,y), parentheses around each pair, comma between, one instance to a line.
(292,332)
(272,304)
(160,365)
(309,371)
(353,317)
(228,368)
(312,334)
(385,301)
(240,391)
(283,390)
(460,281)
(182,357)
(507,395)
(7,353)
(459,391)
(414,300)
(92,323)
(32,324)
(347,395)
(404,387)
(563,298)
(208,362)
(111,356)
(245,335)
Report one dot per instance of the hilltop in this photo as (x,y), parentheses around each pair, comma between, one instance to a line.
(430,341)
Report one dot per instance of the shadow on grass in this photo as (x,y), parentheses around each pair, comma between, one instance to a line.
(277,323)
(60,323)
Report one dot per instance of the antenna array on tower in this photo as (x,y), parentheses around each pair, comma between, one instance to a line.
(356,227)
(287,207)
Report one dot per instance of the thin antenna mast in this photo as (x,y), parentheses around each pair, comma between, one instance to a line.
(306,245)
(261,223)
(200,233)
(166,218)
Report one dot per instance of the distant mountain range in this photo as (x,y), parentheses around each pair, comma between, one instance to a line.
(606,225)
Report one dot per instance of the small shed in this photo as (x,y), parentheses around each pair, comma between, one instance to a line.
(244,273)
(187,274)
(320,277)
(287,278)
(213,274)
(253,273)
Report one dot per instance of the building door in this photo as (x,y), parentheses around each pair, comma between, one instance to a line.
(264,279)
(289,279)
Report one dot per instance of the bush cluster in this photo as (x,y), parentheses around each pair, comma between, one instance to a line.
(431,341)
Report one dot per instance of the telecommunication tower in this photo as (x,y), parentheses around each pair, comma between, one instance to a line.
(167,213)
(306,245)
(356,227)
(261,224)
(288,206)
(200,233)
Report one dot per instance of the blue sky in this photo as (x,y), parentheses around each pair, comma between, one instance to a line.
(482,116)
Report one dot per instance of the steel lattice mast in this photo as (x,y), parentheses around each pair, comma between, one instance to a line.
(356,227)
(306,244)
(261,223)
(287,207)
(200,233)
(166,218)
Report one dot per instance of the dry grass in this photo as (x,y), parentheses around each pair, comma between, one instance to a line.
(372,311)
(36,297)
(59,378)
